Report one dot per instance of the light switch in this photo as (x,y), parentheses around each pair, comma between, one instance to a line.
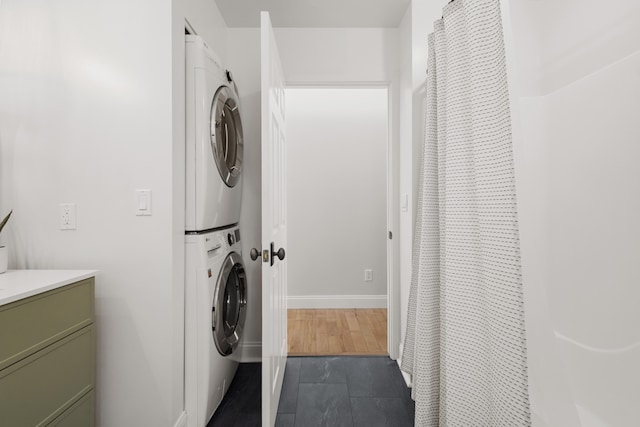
(405,203)
(143,207)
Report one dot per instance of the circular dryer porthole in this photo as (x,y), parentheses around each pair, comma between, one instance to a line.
(226,135)
(229,304)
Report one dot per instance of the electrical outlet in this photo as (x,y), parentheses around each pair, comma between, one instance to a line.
(368,275)
(67,214)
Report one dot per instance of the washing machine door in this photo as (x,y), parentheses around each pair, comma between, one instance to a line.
(229,304)
(226,135)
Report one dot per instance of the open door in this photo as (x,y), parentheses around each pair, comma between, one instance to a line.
(274,226)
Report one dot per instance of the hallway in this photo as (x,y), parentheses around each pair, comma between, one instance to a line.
(337,332)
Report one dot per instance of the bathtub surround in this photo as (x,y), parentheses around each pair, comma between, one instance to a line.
(465,344)
(578,196)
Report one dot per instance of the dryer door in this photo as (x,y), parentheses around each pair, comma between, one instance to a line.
(229,304)
(226,135)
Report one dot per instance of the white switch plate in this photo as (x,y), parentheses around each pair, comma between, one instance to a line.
(405,203)
(67,215)
(143,202)
(368,275)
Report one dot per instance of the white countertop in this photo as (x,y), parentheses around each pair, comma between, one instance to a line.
(19,284)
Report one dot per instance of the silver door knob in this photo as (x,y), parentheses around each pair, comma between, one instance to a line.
(254,254)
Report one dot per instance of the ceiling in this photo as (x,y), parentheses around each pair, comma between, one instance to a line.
(315,13)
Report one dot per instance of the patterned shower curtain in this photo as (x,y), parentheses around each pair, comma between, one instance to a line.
(465,344)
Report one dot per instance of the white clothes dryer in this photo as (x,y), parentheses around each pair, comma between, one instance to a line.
(214,141)
(215,311)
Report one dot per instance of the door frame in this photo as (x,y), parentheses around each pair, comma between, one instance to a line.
(392,204)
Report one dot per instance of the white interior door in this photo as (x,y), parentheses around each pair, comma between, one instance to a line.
(274,230)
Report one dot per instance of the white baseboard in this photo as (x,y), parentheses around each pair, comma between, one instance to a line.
(182,420)
(337,301)
(249,352)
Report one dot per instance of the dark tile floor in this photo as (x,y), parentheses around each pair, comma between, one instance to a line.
(323,391)
(241,406)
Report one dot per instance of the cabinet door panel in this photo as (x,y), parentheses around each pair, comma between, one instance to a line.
(81,414)
(33,323)
(36,390)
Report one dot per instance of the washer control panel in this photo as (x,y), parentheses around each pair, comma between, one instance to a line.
(233,237)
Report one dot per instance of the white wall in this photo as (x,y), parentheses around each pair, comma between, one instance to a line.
(336,184)
(86,119)
(338,54)
(204,17)
(406,180)
(244,62)
(92,108)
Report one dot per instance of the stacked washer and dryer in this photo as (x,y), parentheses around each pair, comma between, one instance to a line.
(215,280)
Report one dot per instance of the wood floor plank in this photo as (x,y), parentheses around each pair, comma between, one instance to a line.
(347,342)
(359,343)
(337,332)
(335,345)
(352,320)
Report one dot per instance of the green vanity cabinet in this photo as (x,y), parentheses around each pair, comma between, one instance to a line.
(47,358)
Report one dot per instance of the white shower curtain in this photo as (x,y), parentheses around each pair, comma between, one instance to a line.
(465,344)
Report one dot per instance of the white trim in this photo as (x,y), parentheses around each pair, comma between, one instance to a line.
(337,301)
(393,222)
(370,84)
(182,420)
(405,376)
(391,301)
(249,352)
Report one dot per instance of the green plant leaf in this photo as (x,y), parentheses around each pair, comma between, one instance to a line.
(4,221)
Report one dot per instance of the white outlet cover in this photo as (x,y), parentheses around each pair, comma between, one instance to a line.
(67,216)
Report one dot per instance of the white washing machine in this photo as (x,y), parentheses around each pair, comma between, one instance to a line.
(215,311)
(214,141)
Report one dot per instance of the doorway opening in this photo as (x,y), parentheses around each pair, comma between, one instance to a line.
(337,211)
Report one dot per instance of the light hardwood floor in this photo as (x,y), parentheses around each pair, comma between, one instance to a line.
(337,332)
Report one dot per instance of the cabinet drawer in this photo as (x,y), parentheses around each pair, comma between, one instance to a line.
(36,390)
(81,414)
(33,323)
